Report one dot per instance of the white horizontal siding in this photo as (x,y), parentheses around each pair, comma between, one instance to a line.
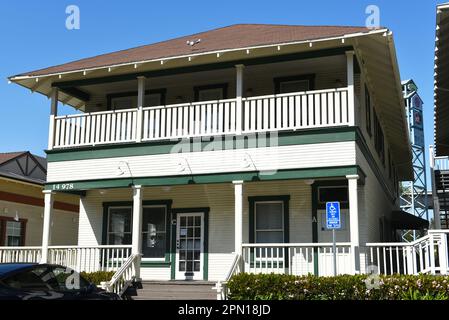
(265,159)
(220,199)
(160,274)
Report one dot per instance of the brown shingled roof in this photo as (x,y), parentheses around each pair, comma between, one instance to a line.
(231,37)
(5,157)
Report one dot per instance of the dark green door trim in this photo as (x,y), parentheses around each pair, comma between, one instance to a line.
(175,212)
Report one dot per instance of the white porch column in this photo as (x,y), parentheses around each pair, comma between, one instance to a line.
(239,95)
(137,226)
(46,233)
(350,80)
(53,114)
(140,105)
(238,198)
(354,220)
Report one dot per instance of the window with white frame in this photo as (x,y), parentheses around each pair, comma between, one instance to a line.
(269,222)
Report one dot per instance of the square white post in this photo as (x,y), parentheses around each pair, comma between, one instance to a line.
(238,199)
(239,96)
(350,80)
(53,114)
(140,105)
(137,226)
(354,220)
(46,232)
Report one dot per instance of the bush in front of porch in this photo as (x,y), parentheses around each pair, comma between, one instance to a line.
(346,287)
(98,277)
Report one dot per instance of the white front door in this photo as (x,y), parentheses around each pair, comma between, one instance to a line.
(189,246)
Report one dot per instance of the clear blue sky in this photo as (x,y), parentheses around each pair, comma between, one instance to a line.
(33,36)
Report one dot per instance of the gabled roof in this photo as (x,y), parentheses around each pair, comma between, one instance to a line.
(23,166)
(226,38)
(5,157)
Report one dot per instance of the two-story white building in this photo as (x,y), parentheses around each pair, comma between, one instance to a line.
(224,146)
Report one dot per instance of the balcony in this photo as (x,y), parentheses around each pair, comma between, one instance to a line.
(238,116)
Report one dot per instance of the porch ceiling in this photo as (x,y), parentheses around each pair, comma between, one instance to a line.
(43,83)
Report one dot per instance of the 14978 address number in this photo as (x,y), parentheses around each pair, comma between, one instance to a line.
(63,186)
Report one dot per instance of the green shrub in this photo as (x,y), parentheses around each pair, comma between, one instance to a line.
(286,287)
(97,277)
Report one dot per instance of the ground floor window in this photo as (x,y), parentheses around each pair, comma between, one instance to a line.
(269,219)
(154,231)
(269,224)
(12,232)
(154,228)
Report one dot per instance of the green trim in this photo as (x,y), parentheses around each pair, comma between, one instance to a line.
(205,211)
(166,203)
(155,264)
(77,93)
(307,173)
(207,67)
(341,134)
(253,199)
(361,143)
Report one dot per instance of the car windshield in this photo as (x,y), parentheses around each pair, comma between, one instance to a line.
(45,278)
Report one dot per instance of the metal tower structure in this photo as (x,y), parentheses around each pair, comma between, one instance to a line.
(413,197)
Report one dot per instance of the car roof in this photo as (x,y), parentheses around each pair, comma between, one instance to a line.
(6,268)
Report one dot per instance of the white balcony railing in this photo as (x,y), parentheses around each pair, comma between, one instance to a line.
(294,111)
(297,258)
(87,259)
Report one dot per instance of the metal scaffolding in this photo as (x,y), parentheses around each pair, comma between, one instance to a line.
(413,197)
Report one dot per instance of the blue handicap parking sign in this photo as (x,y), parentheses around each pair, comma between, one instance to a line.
(333,220)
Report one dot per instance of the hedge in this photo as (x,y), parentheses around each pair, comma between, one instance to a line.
(98,277)
(286,287)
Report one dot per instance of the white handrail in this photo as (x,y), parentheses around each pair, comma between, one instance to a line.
(124,276)
(221,286)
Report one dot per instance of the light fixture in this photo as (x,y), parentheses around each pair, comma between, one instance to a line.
(16,217)
(120,169)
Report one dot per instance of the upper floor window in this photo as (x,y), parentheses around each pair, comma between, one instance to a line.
(368,110)
(128,100)
(294,84)
(12,232)
(211,92)
(379,139)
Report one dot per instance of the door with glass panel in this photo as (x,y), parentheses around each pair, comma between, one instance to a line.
(189,246)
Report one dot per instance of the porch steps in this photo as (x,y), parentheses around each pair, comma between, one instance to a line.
(176,290)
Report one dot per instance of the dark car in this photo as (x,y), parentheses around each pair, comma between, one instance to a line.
(30,281)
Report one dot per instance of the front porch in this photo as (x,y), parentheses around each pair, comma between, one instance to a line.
(194,231)
(209,232)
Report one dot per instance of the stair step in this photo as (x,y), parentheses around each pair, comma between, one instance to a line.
(176,290)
